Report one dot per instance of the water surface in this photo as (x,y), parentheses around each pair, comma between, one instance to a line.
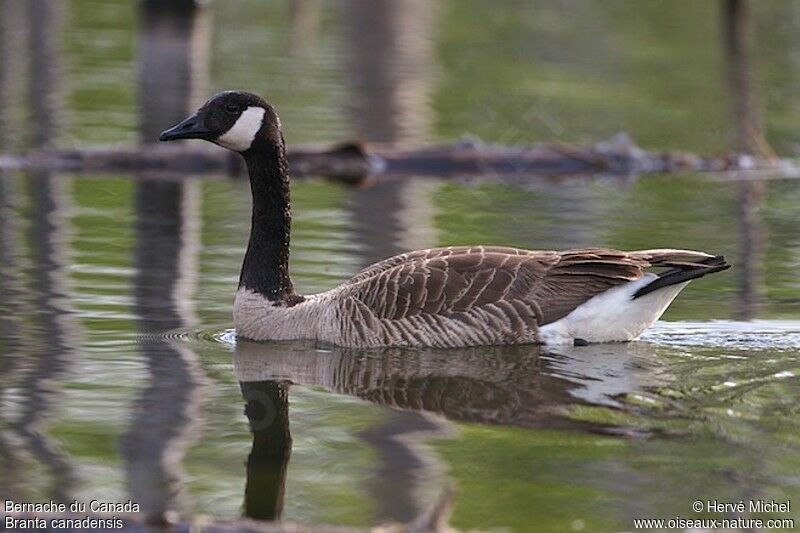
(122,378)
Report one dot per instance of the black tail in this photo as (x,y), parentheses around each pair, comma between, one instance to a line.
(682,273)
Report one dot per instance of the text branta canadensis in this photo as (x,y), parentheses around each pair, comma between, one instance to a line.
(442,297)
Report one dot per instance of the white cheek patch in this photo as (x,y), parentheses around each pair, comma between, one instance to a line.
(240,136)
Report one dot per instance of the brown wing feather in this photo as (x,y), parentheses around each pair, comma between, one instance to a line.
(580,275)
(431,253)
(453,281)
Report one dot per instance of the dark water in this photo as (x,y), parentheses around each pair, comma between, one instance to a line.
(121,376)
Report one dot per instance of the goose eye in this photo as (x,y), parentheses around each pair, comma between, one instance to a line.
(232,108)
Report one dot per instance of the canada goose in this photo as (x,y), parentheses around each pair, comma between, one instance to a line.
(442,297)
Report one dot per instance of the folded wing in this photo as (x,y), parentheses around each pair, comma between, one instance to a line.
(522,287)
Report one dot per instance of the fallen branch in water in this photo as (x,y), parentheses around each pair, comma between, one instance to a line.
(355,162)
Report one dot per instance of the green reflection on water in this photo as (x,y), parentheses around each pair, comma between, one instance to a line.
(532,480)
(534,71)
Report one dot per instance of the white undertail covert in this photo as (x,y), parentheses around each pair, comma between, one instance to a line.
(614,315)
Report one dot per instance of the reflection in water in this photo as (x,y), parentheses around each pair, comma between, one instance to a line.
(45,18)
(50,348)
(391,57)
(749,132)
(391,218)
(389,77)
(304,18)
(408,476)
(267,410)
(13,76)
(389,66)
(11,294)
(174,40)
(169,410)
(51,351)
(749,139)
(602,373)
(50,338)
(389,70)
(753,242)
(519,386)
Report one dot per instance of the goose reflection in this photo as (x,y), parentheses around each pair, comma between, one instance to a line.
(522,386)
(267,411)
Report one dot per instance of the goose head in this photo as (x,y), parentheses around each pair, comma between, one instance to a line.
(235,120)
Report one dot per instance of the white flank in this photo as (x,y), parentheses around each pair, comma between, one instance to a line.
(612,316)
(240,136)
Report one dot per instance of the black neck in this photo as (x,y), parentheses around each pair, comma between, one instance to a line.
(266,263)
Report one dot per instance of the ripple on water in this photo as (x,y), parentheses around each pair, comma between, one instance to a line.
(226,337)
(724,334)
(728,334)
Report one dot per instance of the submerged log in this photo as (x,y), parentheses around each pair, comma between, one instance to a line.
(354,162)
